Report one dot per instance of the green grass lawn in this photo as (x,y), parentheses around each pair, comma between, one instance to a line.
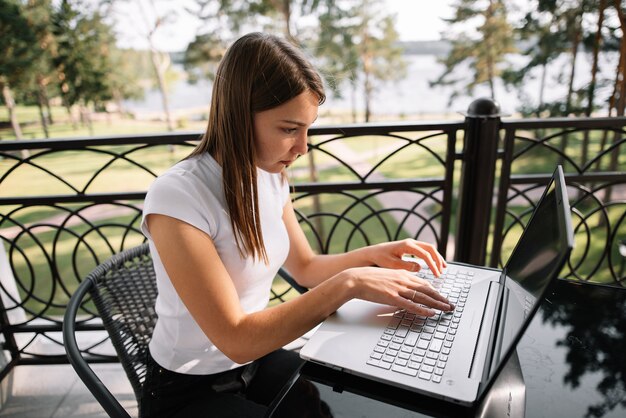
(102,125)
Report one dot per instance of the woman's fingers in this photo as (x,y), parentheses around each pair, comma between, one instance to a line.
(423,293)
(433,302)
(406,304)
(428,253)
(399,288)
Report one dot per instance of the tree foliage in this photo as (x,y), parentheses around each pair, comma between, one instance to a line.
(16,54)
(358,43)
(483,50)
(354,40)
(16,40)
(61,48)
(82,60)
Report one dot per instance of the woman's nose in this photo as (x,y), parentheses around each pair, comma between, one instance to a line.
(301,146)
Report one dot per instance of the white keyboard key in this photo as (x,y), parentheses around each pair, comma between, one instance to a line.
(427,369)
(424,375)
(423,344)
(411,338)
(384,365)
(404,370)
(435,345)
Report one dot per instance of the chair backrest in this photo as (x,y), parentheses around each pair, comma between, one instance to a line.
(124,293)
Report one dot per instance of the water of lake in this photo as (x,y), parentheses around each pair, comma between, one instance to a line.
(410,96)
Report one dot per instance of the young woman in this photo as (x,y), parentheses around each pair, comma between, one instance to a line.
(220,225)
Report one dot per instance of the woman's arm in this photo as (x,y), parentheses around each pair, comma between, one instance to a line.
(310,269)
(205,287)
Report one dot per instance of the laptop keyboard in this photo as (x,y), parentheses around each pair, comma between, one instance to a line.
(417,345)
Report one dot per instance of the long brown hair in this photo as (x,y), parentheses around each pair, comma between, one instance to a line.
(258,72)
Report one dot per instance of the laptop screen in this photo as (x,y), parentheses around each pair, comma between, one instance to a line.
(537,258)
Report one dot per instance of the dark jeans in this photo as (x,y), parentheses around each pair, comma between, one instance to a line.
(171,394)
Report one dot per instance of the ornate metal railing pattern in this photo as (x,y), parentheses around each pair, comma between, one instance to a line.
(67,205)
(79,201)
(592,154)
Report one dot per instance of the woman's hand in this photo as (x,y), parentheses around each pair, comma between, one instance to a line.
(389,255)
(395,287)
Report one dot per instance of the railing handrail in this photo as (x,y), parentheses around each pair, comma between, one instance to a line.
(349,129)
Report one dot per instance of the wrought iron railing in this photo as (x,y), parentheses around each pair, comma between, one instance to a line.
(67,205)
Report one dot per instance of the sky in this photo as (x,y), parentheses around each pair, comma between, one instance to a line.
(415,20)
(419,20)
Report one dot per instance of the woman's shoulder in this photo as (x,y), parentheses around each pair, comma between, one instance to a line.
(199,168)
(195,174)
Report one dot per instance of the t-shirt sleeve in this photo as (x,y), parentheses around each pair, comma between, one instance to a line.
(175,196)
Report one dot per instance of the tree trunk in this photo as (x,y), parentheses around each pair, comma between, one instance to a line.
(42,103)
(286,11)
(85,115)
(10,104)
(70,114)
(594,66)
(367,86)
(317,206)
(42,91)
(620,90)
(542,87)
(353,91)
(159,69)
(119,101)
(490,64)
(50,118)
(570,88)
(42,117)
(368,97)
(618,100)
(592,84)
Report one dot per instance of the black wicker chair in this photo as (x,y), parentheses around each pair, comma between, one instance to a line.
(124,291)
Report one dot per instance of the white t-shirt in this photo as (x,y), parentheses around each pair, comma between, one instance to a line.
(192,191)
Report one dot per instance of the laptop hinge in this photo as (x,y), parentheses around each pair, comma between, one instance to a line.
(481,361)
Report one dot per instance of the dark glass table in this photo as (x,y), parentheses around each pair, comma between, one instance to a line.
(570,363)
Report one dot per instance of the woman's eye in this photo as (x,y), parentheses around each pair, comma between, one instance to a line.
(289,130)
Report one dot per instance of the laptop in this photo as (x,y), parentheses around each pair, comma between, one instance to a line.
(454,356)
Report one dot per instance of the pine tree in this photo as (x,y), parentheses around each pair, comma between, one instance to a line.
(359,42)
(484,49)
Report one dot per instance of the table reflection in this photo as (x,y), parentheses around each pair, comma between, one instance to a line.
(592,319)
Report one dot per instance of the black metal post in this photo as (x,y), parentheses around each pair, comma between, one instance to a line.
(480,149)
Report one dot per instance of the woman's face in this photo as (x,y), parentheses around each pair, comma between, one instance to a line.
(280,134)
